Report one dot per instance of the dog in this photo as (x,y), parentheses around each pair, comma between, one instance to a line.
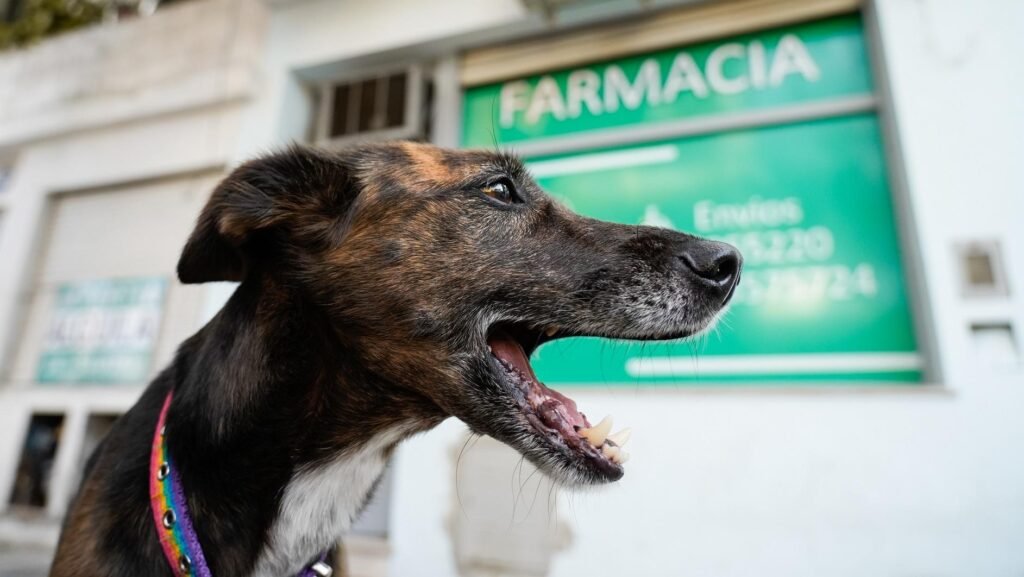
(383,289)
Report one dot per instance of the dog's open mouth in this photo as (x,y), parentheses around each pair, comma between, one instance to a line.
(562,428)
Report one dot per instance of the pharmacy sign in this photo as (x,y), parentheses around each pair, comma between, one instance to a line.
(807,201)
(782,68)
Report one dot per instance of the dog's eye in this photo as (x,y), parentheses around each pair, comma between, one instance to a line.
(500,190)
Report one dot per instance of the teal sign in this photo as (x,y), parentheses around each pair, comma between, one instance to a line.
(822,295)
(102,331)
(823,298)
(805,64)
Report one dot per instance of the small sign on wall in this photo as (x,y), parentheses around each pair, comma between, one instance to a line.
(102,331)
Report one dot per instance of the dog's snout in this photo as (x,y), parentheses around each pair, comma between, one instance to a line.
(716,265)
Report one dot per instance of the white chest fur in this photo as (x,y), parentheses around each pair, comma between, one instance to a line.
(319,506)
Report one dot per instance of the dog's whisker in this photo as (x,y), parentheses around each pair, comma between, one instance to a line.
(470,439)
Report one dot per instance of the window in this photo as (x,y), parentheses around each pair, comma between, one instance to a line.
(995,345)
(981,269)
(383,106)
(32,479)
(368,106)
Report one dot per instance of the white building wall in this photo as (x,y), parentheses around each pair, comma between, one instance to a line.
(953,70)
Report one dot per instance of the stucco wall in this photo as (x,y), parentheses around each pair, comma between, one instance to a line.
(190,55)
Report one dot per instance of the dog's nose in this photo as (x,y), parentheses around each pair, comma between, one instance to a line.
(716,266)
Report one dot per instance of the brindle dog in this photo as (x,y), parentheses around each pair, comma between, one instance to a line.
(383,289)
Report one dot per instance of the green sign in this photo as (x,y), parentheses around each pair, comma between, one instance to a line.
(808,204)
(102,331)
(822,295)
(804,64)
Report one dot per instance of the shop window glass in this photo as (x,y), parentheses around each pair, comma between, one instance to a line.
(32,479)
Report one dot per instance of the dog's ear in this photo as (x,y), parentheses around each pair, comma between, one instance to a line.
(297,186)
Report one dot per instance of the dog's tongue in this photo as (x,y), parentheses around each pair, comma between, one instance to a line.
(551,411)
(509,351)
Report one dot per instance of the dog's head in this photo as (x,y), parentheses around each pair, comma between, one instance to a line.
(443,270)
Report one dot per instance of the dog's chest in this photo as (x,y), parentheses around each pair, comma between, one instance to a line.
(319,506)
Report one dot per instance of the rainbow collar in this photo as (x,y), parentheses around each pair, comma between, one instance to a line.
(170,514)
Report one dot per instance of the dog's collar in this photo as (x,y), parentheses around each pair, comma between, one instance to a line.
(170,514)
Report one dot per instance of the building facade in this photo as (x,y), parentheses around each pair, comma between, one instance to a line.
(855,413)
(112,138)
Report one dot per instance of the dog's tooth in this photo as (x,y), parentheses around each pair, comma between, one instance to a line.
(550,331)
(623,457)
(599,432)
(622,437)
(612,452)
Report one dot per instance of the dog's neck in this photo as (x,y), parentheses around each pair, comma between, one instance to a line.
(282,437)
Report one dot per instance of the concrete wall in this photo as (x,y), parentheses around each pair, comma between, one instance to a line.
(195,54)
(952,72)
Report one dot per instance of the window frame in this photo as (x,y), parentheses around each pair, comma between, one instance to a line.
(411,127)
